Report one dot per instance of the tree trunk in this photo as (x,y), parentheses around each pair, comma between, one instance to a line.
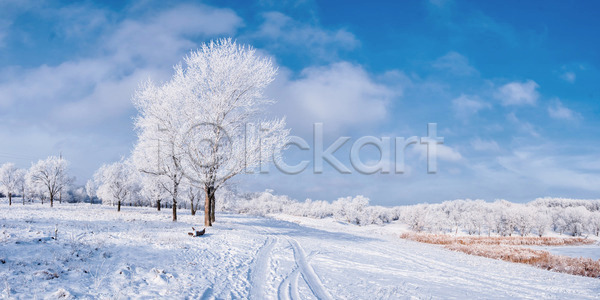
(175,186)
(212,208)
(51,200)
(119,206)
(158,205)
(209,191)
(60,197)
(192,206)
(175,211)
(9,199)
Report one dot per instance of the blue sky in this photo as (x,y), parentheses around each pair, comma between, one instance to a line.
(512,86)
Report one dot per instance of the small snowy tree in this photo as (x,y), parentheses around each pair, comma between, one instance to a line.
(594,222)
(202,114)
(192,194)
(541,221)
(9,180)
(575,219)
(51,175)
(153,189)
(114,183)
(22,183)
(90,190)
(524,219)
(159,163)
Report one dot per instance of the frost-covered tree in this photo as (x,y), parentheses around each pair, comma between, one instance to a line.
(10,179)
(49,174)
(203,114)
(192,195)
(155,156)
(351,210)
(135,196)
(90,190)
(594,222)
(33,189)
(575,219)
(66,188)
(22,183)
(523,219)
(541,221)
(114,183)
(153,188)
(416,217)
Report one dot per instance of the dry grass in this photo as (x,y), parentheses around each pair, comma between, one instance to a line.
(506,248)
(442,239)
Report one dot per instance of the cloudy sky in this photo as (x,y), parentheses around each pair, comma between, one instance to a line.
(513,87)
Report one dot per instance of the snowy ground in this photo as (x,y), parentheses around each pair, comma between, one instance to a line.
(140,253)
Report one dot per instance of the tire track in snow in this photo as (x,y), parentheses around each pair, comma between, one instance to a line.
(308,273)
(288,288)
(258,273)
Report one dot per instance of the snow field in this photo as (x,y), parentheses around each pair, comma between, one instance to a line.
(140,253)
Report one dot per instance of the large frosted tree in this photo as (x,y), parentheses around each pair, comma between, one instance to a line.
(204,116)
(50,175)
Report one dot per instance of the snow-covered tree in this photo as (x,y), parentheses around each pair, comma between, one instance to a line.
(192,195)
(156,157)
(203,114)
(33,189)
(50,174)
(90,190)
(541,221)
(135,196)
(114,183)
(152,189)
(351,210)
(10,179)
(22,183)
(575,219)
(523,219)
(594,222)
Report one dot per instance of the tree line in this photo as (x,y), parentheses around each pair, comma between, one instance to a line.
(46,179)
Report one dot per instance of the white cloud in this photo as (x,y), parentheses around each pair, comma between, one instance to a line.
(522,126)
(535,165)
(88,90)
(448,154)
(485,145)
(558,111)
(287,32)
(340,95)
(456,64)
(518,93)
(163,38)
(444,153)
(465,106)
(569,77)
